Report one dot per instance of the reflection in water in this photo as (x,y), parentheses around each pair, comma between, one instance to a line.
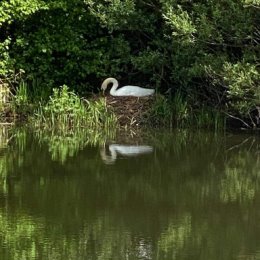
(197,196)
(65,144)
(124,150)
(176,236)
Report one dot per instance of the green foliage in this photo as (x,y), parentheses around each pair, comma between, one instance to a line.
(172,45)
(58,43)
(18,9)
(172,112)
(177,112)
(180,110)
(180,22)
(113,14)
(208,118)
(66,110)
(21,95)
(252,3)
(161,111)
(243,86)
(242,93)
(5,60)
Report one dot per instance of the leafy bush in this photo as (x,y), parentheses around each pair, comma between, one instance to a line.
(197,48)
(66,110)
(243,87)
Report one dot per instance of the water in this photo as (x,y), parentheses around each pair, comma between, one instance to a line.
(156,195)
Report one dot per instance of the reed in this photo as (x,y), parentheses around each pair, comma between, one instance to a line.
(21,97)
(180,110)
(98,114)
(161,112)
(177,112)
(65,109)
(170,112)
(209,119)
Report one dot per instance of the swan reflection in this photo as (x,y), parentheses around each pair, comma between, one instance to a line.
(123,150)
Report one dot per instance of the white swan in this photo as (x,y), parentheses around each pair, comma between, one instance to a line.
(126,90)
(124,150)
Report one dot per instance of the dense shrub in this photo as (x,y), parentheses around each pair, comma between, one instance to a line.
(206,50)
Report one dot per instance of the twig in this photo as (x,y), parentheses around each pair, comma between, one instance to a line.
(239,119)
(238,145)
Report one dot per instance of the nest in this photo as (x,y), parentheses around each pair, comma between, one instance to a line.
(130,111)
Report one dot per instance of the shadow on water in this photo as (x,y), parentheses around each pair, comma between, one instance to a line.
(137,195)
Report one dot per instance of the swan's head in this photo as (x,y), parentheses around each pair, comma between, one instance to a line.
(107,81)
(104,84)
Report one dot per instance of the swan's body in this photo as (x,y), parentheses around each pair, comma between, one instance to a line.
(126,90)
(124,150)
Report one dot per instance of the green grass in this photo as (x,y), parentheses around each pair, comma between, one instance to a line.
(65,109)
(21,96)
(209,119)
(161,112)
(178,113)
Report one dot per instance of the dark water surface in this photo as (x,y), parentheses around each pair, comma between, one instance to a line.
(157,195)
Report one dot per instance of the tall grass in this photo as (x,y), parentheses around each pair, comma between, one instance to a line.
(177,112)
(208,118)
(161,112)
(170,112)
(21,96)
(180,110)
(66,110)
(98,114)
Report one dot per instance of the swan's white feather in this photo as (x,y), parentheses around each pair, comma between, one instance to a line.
(133,91)
(128,90)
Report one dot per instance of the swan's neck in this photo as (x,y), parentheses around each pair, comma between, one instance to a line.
(112,151)
(114,86)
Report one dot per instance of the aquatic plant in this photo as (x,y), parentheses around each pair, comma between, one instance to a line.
(98,114)
(208,118)
(161,111)
(180,110)
(67,110)
(177,112)
(21,96)
(179,47)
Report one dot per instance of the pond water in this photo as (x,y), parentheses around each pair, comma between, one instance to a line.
(131,195)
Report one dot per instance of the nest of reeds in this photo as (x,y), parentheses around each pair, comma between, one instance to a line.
(130,111)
